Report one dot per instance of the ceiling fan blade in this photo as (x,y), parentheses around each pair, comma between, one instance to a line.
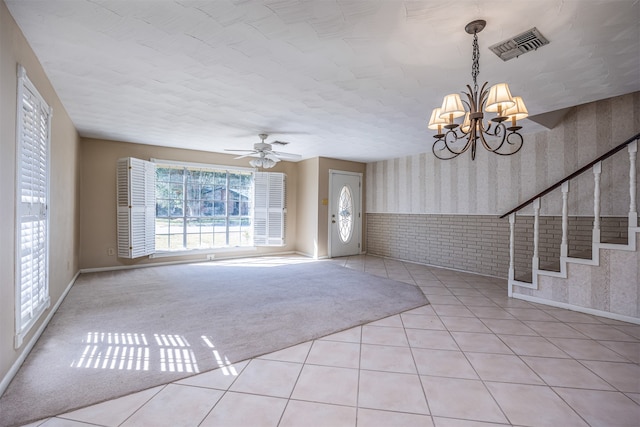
(272,156)
(286,155)
(268,131)
(245,155)
(239,151)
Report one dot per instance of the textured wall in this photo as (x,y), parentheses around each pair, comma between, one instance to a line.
(406,195)
(492,185)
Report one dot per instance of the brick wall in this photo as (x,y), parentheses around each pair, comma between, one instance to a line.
(480,243)
(477,243)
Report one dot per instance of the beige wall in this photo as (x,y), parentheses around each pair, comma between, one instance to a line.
(98,199)
(493,184)
(307,202)
(313,215)
(63,208)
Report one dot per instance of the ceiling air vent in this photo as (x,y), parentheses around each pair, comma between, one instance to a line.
(522,43)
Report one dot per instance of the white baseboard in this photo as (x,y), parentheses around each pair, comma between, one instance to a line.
(440,266)
(6,380)
(189,261)
(586,310)
(310,255)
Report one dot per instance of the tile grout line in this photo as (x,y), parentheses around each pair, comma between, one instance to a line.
(535,372)
(224,391)
(415,365)
(295,383)
(359,372)
(464,353)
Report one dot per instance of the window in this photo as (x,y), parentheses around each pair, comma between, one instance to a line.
(345,214)
(33,134)
(202,208)
(168,206)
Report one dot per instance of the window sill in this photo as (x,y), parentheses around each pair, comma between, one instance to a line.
(203,251)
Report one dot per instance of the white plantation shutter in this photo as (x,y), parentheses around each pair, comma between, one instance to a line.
(33,133)
(136,197)
(269,209)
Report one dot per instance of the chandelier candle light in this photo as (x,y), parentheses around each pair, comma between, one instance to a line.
(497,100)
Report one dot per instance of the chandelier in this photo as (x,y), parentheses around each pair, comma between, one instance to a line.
(454,139)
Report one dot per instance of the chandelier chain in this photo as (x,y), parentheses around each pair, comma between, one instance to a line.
(475,68)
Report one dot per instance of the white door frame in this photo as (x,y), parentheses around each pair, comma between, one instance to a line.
(358,225)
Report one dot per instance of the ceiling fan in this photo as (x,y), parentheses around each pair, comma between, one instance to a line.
(267,158)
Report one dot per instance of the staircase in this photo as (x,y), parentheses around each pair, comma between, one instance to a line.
(604,282)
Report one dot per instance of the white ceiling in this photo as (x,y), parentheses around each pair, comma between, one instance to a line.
(355,80)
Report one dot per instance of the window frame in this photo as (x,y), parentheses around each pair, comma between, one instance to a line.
(229,169)
(23,326)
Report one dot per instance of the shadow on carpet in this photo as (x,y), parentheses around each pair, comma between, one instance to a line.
(121,332)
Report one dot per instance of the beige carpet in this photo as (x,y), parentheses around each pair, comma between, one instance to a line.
(124,331)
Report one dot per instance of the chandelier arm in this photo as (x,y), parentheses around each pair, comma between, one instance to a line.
(472,95)
(445,140)
(469,108)
(516,150)
(484,92)
(473,141)
(482,139)
(453,153)
(456,138)
(465,102)
(486,130)
(519,142)
(499,131)
(433,149)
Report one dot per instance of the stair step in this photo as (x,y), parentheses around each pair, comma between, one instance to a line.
(615,241)
(526,275)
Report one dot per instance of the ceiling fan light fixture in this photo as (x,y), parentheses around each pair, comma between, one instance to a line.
(262,162)
(267,157)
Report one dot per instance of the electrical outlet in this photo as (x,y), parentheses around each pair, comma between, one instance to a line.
(210,257)
(111,251)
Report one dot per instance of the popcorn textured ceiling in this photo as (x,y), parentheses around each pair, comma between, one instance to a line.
(354,80)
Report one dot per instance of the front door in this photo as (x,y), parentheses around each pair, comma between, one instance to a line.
(345,219)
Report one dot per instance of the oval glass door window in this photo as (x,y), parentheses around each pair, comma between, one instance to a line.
(345,214)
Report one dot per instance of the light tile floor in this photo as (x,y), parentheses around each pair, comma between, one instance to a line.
(473,357)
